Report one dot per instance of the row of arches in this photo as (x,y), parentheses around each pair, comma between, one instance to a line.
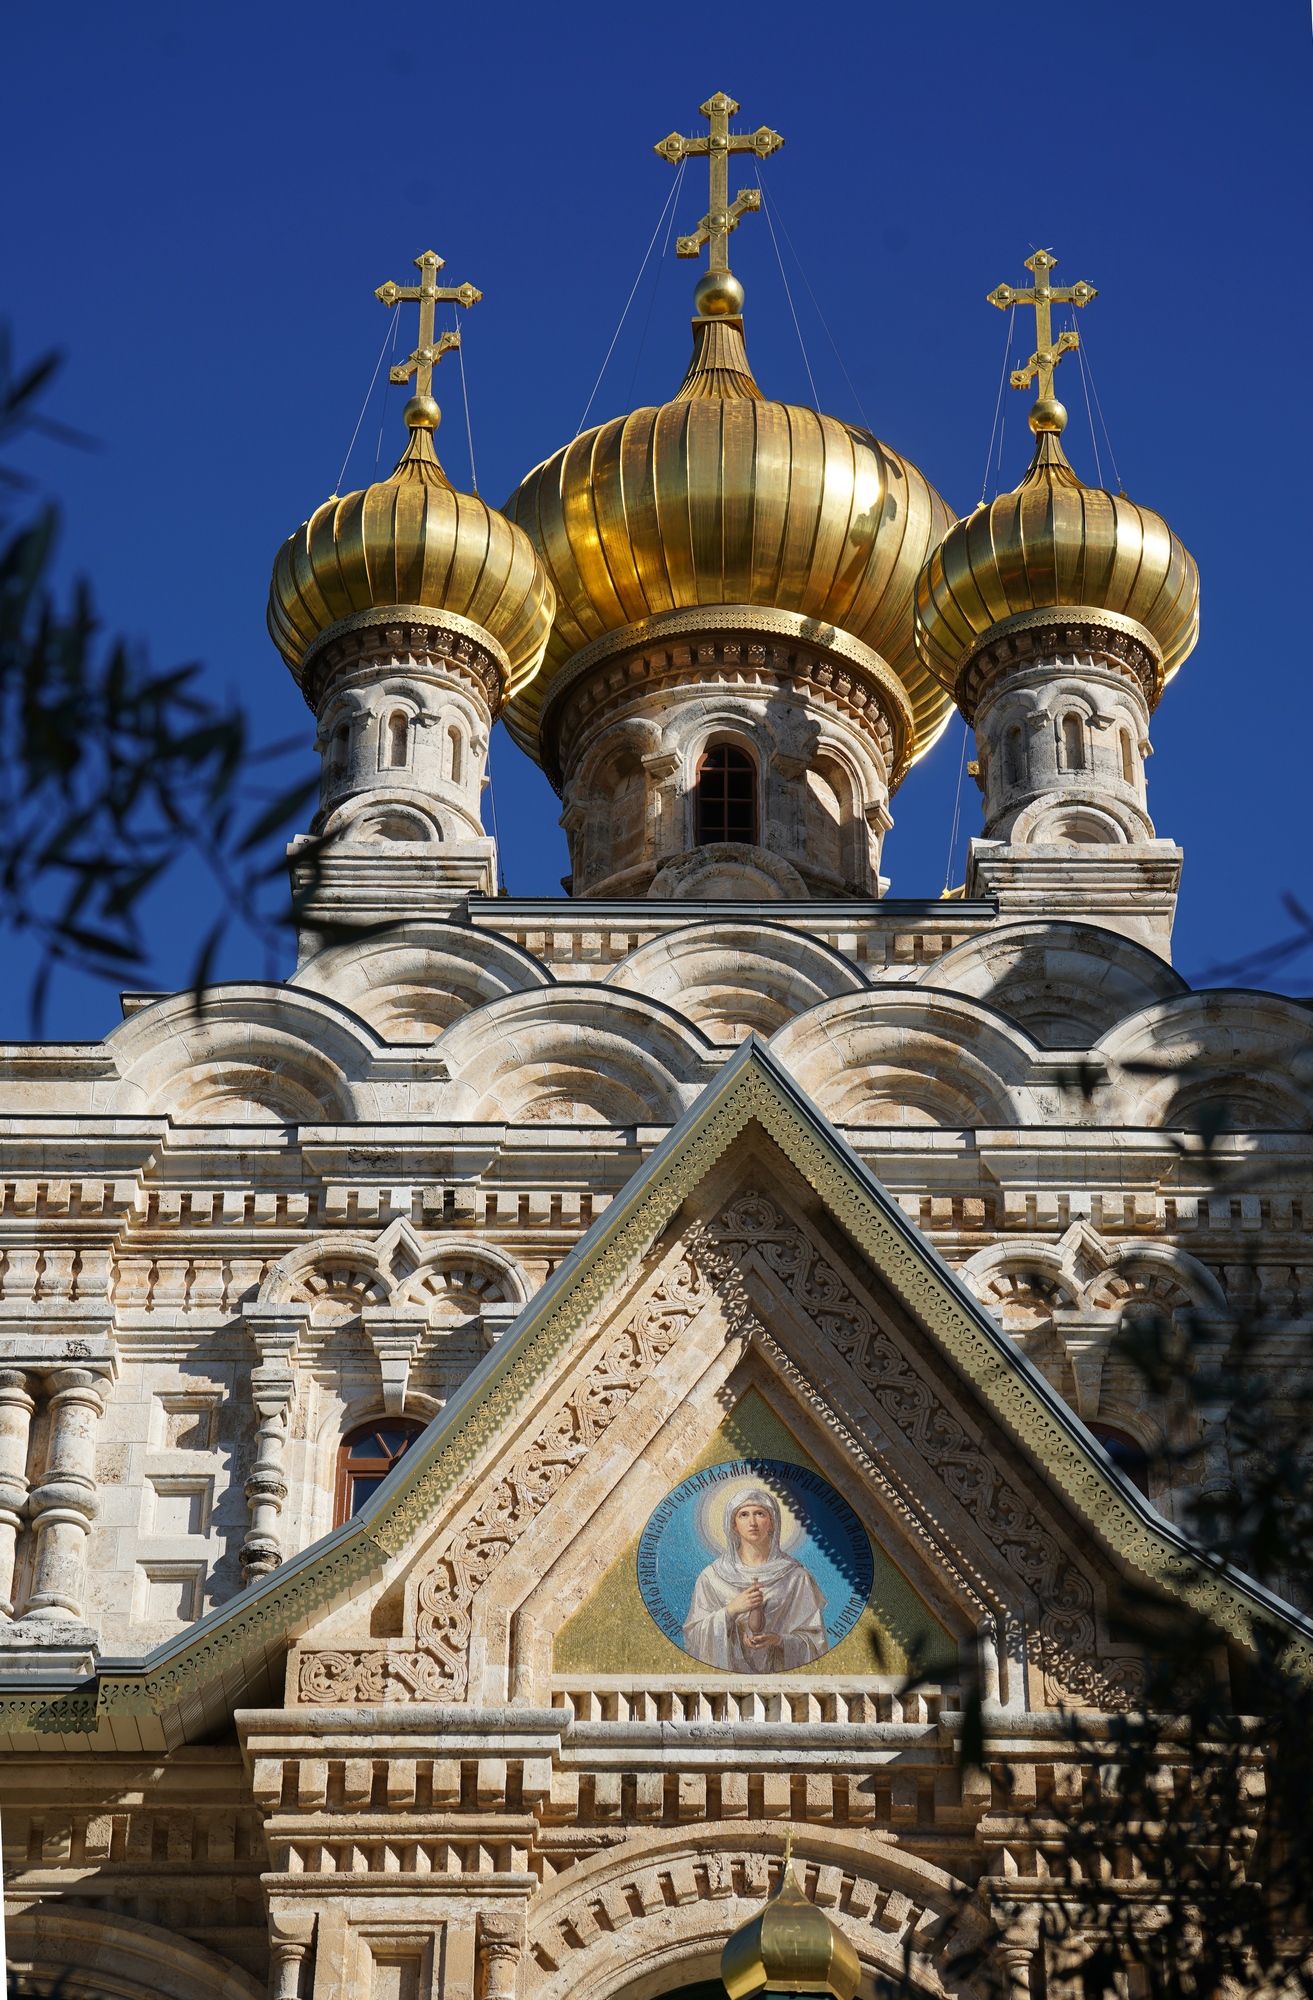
(962,1048)
(396,736)
(1072,748)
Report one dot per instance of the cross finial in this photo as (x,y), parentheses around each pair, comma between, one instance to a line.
(422,412)
(1048,352)
(718,293)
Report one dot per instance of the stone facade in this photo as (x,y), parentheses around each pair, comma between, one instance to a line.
(723,1168)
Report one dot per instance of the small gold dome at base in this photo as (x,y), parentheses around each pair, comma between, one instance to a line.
(1048,415)
(792,1947)
(422,414)
(718,295)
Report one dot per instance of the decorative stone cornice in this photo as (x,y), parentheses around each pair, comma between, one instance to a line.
(1089,636)
(741,643)
(411,636)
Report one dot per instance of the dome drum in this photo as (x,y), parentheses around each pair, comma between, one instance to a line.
(817,725)
(751,644)
(409,637)
(1069,632)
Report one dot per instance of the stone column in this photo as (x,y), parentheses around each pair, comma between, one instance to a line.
(64,1505)
(275,1331)
(16,1408)
(290,1936)
(501,1942)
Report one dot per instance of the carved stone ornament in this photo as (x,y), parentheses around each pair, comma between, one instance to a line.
(437,1669)
(408,636)
(748,647)
(1067,1642)
(1117,643)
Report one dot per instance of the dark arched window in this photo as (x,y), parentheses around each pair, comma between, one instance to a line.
(1126,1453)
(398,741)
(727,796)
(365,1458)
(1073,743)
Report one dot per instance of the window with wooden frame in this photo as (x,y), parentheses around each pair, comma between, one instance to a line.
(365,1457)
(726,796)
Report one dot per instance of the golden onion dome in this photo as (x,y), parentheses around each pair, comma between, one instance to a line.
(412,540)
(722,497)
(792,1947)
(1055,542)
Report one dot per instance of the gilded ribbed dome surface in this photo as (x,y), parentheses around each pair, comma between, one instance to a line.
(412,540)
(722,497)
(1052,542)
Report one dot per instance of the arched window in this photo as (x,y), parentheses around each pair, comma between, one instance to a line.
(341,748)
(457,755)
(398,733)
(1128,757)
(1014,757)
(727,796)
(1073,743)
(365,1458)
(1126,1453)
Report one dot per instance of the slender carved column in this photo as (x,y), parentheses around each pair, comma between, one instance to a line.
(275,1331)
(16,1408)
(290,1936)
(64,1505)
(501,1942)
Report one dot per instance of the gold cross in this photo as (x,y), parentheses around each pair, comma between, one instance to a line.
(1042,295)
(428,292)
(723,216)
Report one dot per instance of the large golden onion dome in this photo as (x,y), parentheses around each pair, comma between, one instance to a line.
(1056,542)
(412,540)
(722,497)
(792,1947)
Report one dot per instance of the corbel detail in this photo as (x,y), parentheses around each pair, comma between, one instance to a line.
(394,1334)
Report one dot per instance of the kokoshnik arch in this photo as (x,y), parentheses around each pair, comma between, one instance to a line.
(486,1423)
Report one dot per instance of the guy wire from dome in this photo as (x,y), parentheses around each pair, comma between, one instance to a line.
(1054,552)
(412,542)
(722,497)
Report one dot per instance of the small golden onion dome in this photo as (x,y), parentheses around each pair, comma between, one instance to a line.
(412,540)
(722,497)
(1055,541)
(792,1947)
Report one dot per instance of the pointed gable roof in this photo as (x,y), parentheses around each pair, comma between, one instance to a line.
(188,1686)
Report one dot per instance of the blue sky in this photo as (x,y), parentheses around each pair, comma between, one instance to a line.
(201,202)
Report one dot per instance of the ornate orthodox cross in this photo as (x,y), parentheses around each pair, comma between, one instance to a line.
(723,216)
(427,292)
(1042,295)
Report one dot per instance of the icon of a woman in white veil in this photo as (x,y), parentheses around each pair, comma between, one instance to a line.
(754,1609)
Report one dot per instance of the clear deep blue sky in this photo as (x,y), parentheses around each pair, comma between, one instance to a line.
(200,202)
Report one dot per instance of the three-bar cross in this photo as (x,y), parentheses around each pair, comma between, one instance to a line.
(723,216)
(1042,295)
(420,364)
